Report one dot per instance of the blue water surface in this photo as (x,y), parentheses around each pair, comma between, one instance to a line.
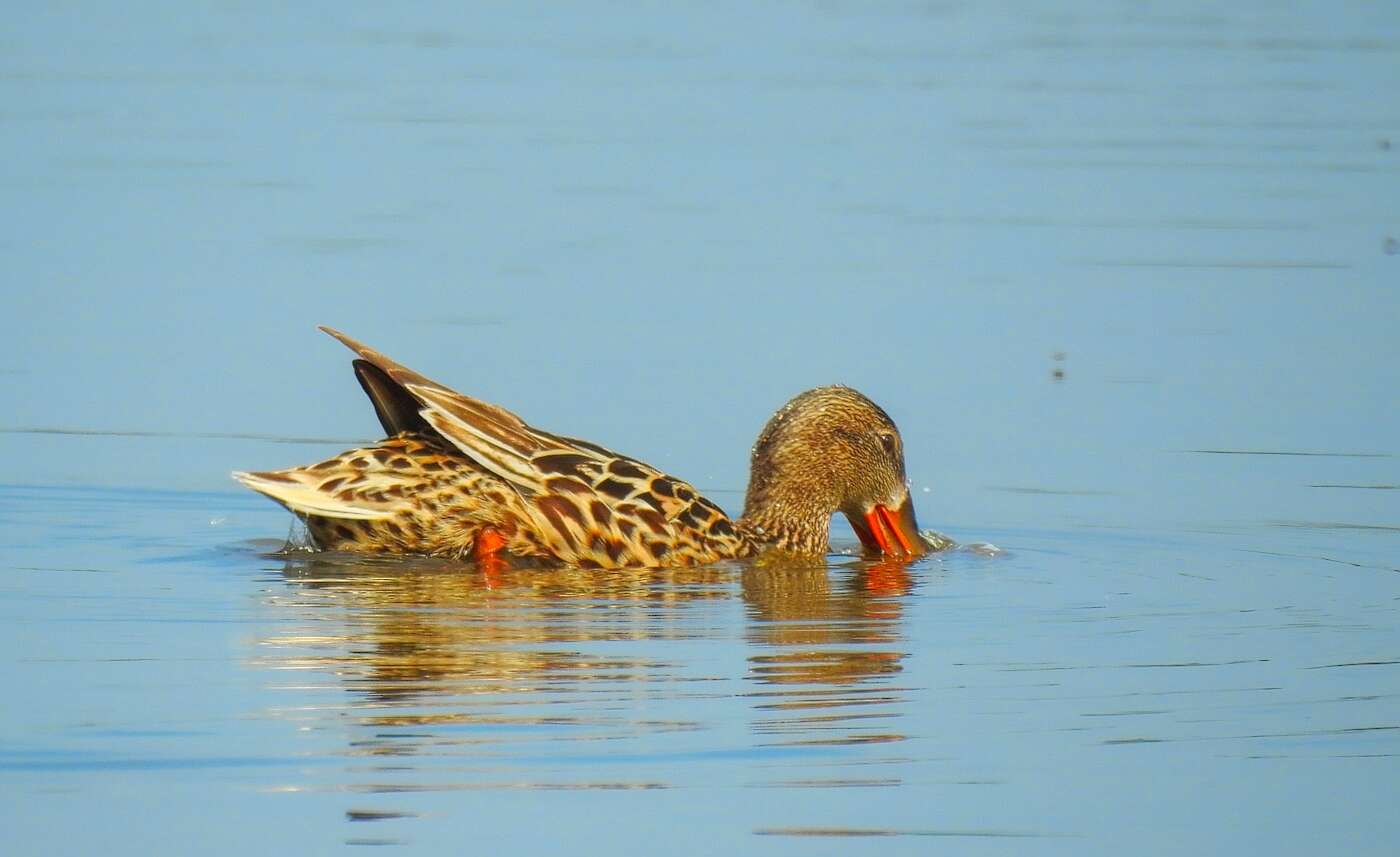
(1124,274)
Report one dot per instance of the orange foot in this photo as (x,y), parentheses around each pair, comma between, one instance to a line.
(487,553)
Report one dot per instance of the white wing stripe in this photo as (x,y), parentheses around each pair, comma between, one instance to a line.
(308,499)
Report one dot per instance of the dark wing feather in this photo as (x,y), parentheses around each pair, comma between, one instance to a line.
(572,487)
(493,437)
(396,409)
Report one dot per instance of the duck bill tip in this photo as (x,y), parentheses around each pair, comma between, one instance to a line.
(891,532)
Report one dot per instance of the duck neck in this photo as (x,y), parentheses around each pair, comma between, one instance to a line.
(788,522)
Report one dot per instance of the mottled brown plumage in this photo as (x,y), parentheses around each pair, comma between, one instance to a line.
(459,477)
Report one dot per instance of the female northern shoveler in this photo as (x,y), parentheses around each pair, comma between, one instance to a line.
(462,478)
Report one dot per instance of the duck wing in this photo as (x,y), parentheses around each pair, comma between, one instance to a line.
(588,502)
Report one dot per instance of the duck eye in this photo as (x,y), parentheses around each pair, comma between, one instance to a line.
(887,441)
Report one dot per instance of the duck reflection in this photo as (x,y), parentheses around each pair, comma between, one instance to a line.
(444,660)
(827,644)
(429,627)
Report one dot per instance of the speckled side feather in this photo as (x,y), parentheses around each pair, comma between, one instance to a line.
(471,466)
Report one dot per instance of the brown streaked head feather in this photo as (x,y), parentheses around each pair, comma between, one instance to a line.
(829,449)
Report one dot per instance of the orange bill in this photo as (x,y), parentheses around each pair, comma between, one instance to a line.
(891,532)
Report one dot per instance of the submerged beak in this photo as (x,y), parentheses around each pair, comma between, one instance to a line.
(892,533)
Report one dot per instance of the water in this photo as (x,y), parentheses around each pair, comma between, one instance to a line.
(1123,275)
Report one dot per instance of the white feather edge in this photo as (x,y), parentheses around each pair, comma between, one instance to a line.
(495,455)
(308,499)
(500,458)
(523,484)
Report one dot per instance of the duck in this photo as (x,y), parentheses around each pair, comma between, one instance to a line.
(460,478)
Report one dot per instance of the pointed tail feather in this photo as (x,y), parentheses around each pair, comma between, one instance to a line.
(300,496)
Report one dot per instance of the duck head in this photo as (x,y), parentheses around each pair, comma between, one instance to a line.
(831,450)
